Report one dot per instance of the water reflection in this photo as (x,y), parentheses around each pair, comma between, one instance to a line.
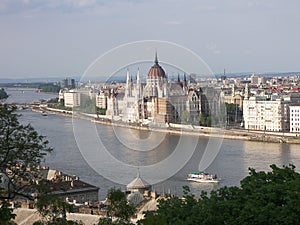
(260,155)
(153,149)
(231,164)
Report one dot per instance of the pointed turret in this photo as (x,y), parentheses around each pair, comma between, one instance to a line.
(138,79)
(184,84)
(138,85)
(156,60)
(128,84)
(178,79)
(128,77)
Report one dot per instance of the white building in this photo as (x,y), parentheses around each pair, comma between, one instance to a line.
(72,98)
(295,118)
(267,115)
(101,100)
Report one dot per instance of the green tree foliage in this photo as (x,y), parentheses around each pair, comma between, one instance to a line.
(234,113)
(3,94)
(53,210)
(53,100)
(21,151)
(185,117)
(263,198)
(53,88)
(87,105)
(205,120)
(6,214)
(119,208)
(101,111)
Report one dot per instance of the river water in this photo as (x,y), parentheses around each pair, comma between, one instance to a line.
(76,153)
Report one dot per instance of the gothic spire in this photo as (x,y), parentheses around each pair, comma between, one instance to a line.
(138,75)
(127,77)
(156,60)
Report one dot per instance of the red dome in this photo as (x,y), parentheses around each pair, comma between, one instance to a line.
(156,71)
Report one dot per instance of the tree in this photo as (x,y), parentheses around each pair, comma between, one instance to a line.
(205,120)
(87,105)
(172,211)
(263,198)
(100,111)
(6,214)
(53,210)
(185,117)
(51,87)
(118,208)
(3,94)
(21,151)
(202,119)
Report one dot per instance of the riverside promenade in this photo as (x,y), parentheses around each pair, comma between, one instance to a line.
(182,129)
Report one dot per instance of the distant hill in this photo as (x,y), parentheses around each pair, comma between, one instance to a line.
(30,80)
(121,78)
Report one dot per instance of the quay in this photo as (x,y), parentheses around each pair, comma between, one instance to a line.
(181,129)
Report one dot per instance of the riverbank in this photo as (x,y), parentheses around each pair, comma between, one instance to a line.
(182,129)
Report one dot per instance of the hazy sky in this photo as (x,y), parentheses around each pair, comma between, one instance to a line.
(46,38)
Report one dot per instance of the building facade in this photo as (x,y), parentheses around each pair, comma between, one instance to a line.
(160,101)
(266,115)
(150,102)
(71,98)
(101,100)
(295,118)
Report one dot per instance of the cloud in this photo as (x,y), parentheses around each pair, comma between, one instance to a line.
(213,48)
(204,8)
(81,3)
(24,6)
(172,22)
(255,4)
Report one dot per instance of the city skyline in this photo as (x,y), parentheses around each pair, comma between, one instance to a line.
(62,38)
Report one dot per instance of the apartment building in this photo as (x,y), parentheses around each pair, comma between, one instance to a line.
(295,118)
(265,114)
(101,100)
(72,98)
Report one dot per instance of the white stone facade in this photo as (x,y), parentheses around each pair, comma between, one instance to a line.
(101,100)
(266,115)
(72,98)
(295,118)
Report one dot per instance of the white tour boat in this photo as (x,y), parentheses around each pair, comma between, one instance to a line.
(202,177)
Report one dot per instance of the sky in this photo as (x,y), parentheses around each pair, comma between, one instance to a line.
(61,38)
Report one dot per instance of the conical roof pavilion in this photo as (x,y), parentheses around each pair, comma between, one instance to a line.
(138,184)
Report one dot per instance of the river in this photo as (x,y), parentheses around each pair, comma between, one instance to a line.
(76,153)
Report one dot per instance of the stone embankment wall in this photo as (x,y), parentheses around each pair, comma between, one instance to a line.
(185,129)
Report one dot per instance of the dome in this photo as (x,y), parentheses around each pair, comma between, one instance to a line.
(156,70)
(138,183)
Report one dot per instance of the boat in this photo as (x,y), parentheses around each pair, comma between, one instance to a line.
(202,177)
